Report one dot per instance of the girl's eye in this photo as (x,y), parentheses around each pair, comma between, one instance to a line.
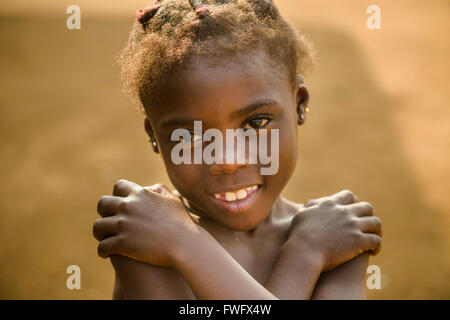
(256,123)
(194,137)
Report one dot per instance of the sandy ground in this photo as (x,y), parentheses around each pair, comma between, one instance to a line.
(379,125)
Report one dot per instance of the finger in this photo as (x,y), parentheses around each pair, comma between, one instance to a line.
(344,197)
(372,243)
(123,188)
(105,227)
(109,246)
(370,225)
(376,251)
(313,202)
(361,209)
(163,190)
(109,205)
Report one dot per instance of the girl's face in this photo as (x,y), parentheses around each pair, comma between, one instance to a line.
(235,93)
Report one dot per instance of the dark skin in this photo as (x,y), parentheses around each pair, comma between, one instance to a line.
(272,248)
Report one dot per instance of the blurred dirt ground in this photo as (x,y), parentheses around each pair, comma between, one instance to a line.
(379,125)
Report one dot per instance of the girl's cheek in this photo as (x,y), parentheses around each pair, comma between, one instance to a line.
(288,150)
(189,177)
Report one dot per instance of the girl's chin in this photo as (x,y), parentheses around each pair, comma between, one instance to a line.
(241,226)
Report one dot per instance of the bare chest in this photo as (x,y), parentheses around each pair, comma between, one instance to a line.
(256,255)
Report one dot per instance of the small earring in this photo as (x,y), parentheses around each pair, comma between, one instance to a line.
(301,117)
(154,145)
(306,110)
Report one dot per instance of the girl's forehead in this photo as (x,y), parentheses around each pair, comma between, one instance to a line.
(254,62)
(207,86)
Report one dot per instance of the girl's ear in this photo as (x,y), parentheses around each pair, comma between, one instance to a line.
(301,100)
(149,130)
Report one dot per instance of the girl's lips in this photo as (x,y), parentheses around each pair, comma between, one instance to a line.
(238,201)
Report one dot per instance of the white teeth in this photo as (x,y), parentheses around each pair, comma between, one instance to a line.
(241,194)
(230,196)
(238,195)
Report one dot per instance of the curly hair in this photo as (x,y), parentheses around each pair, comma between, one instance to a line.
(169,34)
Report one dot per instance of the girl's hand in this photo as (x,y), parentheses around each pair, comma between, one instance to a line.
(337,228)
(144,223)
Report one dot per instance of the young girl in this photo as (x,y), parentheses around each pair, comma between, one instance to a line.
(226,233)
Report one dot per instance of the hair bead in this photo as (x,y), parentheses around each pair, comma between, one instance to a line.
(201,10)
(144,15)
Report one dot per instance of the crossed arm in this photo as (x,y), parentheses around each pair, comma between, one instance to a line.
(145,225)
(212,273)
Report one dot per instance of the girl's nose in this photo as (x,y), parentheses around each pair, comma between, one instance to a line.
(233,153)
(226,168)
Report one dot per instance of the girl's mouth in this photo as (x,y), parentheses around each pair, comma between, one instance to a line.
(236,201)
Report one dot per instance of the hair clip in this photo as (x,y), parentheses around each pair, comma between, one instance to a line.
(201,10)
(144,15)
